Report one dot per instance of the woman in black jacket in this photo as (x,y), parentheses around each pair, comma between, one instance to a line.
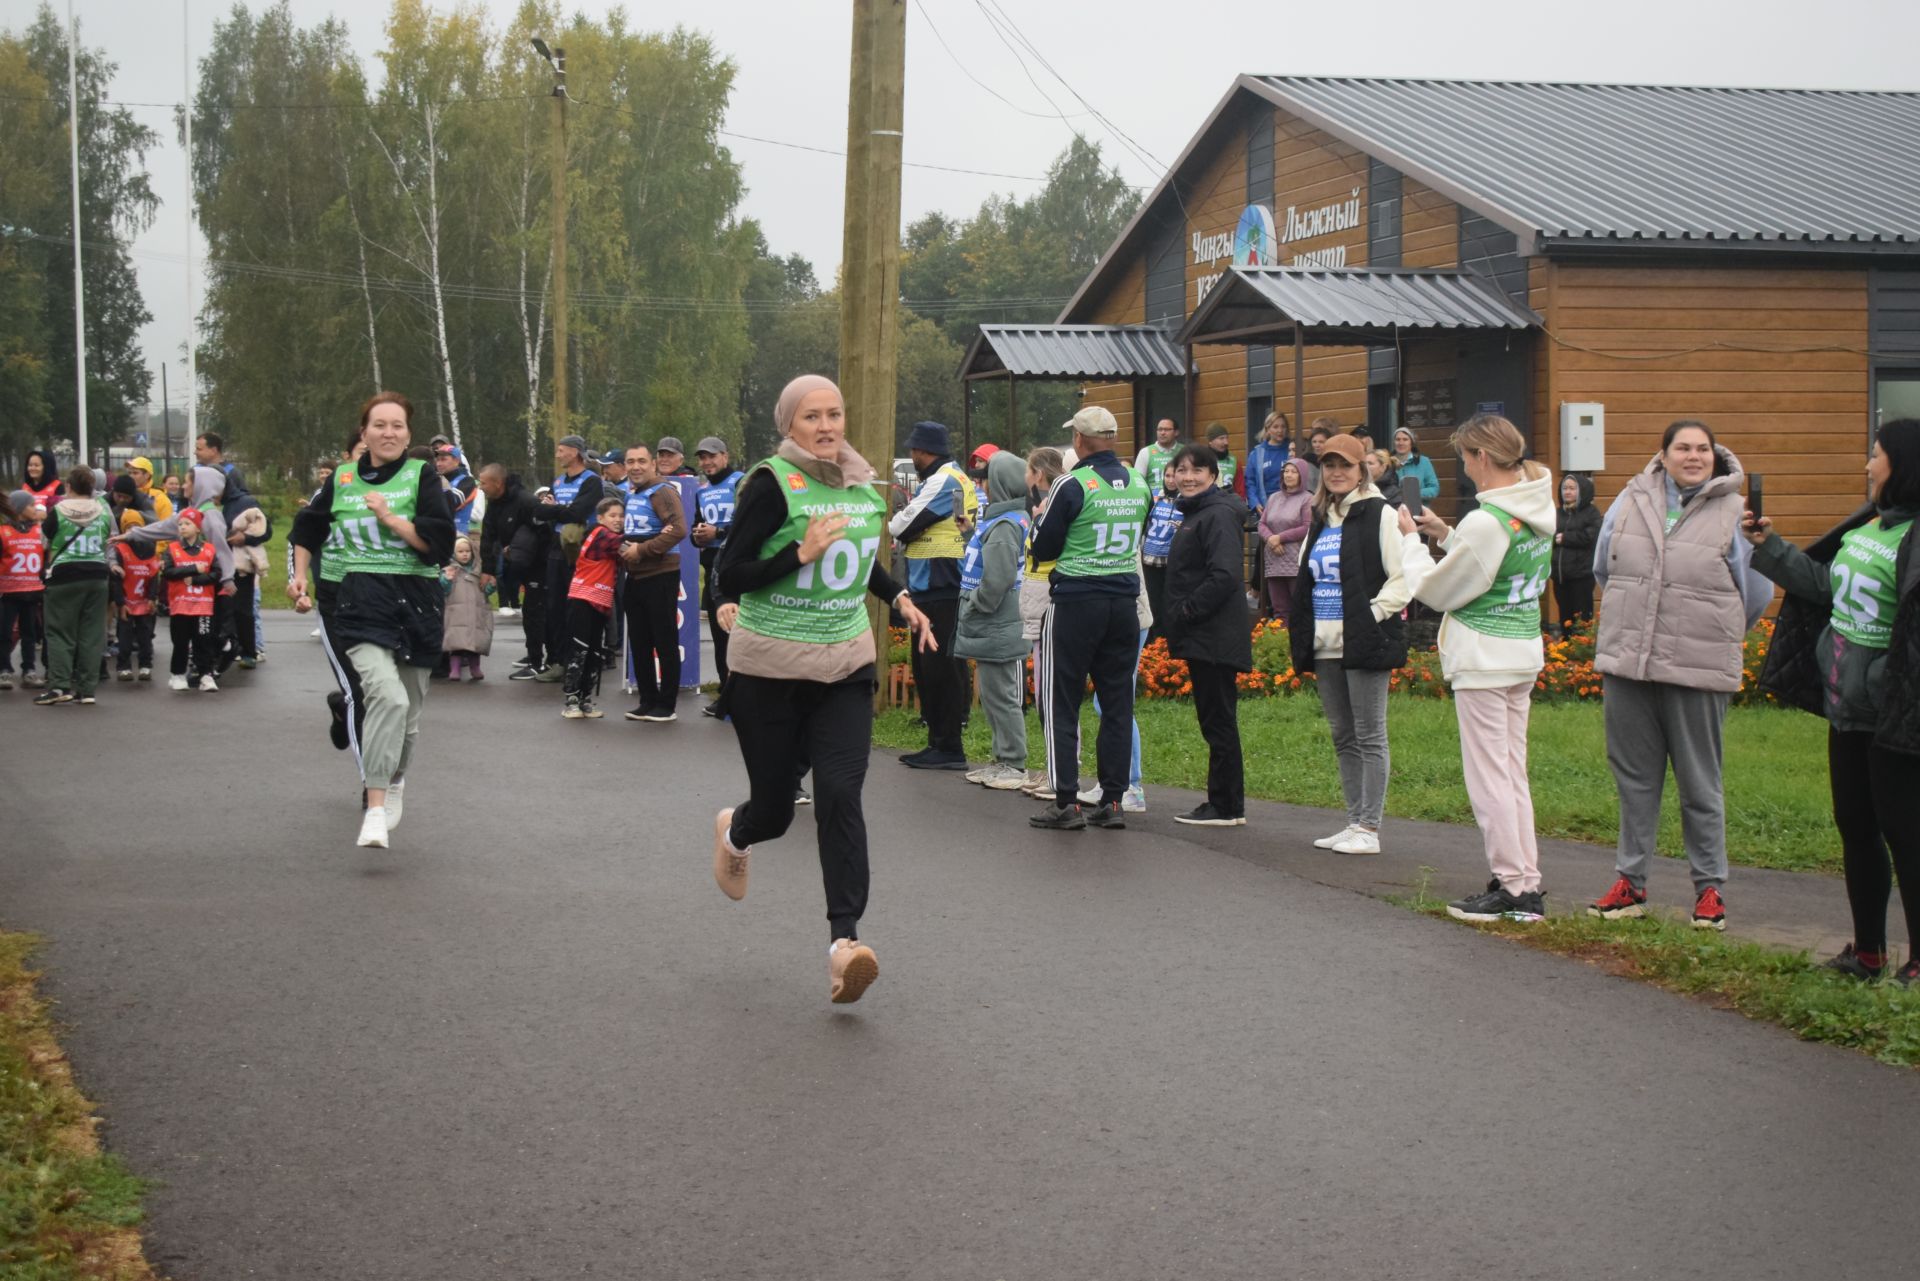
(1578,529)
(1208,625)
(1847,645)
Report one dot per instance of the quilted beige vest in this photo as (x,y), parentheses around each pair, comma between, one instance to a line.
(1672,611)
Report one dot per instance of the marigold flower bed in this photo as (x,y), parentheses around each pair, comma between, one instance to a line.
(1568,676)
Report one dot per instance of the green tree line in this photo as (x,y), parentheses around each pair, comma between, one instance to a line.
(392,229)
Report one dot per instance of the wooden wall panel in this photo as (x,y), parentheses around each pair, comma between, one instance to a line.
(1774,359)
(1429,227)
(1118,399)
(1124,302)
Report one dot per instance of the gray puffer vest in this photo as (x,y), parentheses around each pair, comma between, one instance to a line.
(1672,611)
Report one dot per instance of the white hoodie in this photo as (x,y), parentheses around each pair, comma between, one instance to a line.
(1470,659)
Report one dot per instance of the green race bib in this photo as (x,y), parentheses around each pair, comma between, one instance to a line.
(359,543)
(1866,590)
(1510,609)
(824,603)
(75,544)
(1104,538)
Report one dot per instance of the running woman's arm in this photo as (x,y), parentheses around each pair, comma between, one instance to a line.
(757,516)
(312,525)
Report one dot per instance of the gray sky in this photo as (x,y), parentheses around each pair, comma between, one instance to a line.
(1155,69)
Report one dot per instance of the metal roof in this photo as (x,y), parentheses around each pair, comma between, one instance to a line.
(1641,163)
(1347,306)
(1073,352)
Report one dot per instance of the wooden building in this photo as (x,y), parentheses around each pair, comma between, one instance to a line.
(1418,250)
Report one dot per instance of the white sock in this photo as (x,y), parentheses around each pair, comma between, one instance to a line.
(726,839)
(381,810)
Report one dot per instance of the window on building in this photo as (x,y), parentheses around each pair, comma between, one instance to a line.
(1896,394)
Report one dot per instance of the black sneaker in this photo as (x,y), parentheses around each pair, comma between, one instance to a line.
(523,673)
(337,728)
(1850,964)
(931,759)
(1059,818)
(714,709)
(640,714)
(801,796)
(1496,904)
(1207,816)
(1908,974)
(1107,815)
(52,696)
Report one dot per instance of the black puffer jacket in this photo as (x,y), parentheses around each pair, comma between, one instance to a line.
(1579,530)
(1207,605)
(1808,667)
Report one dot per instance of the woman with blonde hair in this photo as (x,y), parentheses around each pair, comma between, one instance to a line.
(1488,581)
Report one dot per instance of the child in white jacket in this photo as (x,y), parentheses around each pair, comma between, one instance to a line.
(1489,581)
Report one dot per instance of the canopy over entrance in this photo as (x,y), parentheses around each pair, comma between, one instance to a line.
(1347,307)
(1137,354)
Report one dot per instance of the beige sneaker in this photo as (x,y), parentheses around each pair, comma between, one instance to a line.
(851,969)
(729,869)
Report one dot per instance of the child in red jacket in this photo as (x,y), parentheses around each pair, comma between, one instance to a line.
(193,579)
(23,551)
(589,605)
(136,567)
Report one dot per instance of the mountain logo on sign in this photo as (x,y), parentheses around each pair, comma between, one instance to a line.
(1254,242)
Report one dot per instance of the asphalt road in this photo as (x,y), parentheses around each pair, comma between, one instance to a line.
(533,1041)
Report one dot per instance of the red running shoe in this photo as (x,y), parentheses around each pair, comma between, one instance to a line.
(1709,913)
(1620,902)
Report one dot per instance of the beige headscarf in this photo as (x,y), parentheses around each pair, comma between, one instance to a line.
(849,468)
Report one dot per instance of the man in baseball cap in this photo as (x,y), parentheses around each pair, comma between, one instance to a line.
(567,506)
(141,469)
(672,457)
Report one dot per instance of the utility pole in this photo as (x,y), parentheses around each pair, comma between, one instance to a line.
(193,319)
(557,59)
(870,247)
(79,285)
(166,425)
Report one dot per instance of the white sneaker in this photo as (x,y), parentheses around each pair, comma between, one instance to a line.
(208,685)
(146,673)
(1134,800)
(1328,842)
(396,797)
(176,682)
(509,613)
(373,830)
(1358,841)
(1005,778)
(314,634)
(980,775)
(1089,795)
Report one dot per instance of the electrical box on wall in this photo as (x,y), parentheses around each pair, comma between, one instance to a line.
(1583,436)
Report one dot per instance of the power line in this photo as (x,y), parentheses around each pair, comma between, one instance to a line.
(927,18)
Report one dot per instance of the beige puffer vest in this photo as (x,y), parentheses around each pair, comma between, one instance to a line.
(1672,611)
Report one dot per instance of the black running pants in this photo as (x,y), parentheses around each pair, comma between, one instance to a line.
(778,722)
(1876,807)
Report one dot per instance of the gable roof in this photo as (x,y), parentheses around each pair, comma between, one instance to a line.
(1616,163)
(1610,167)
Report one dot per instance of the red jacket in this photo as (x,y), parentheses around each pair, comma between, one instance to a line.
(185,597)
(23,554)
(594,573)
(136,579)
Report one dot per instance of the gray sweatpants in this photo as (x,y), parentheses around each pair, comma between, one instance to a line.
(1356,708)
(1002,690)
(395,693)
(1650,723)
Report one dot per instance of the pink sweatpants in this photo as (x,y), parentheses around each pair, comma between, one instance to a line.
(1493,756)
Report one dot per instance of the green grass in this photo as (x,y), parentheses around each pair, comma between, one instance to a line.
(1881,1019)
(1779,813)
(66,1209)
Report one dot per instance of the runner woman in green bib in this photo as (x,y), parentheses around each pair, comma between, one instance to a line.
(1489,581)
(386,527)
(800,561)
(1855,594)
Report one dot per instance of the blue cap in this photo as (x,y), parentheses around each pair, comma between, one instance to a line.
(929,437)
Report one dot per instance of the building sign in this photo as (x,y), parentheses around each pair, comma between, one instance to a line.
(1311,224)
(1427,404)
(1254,242)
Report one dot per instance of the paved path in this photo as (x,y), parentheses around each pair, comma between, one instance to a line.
(532,1040)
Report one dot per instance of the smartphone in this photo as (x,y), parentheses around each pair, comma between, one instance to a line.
(1756,486)
(1410,498)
